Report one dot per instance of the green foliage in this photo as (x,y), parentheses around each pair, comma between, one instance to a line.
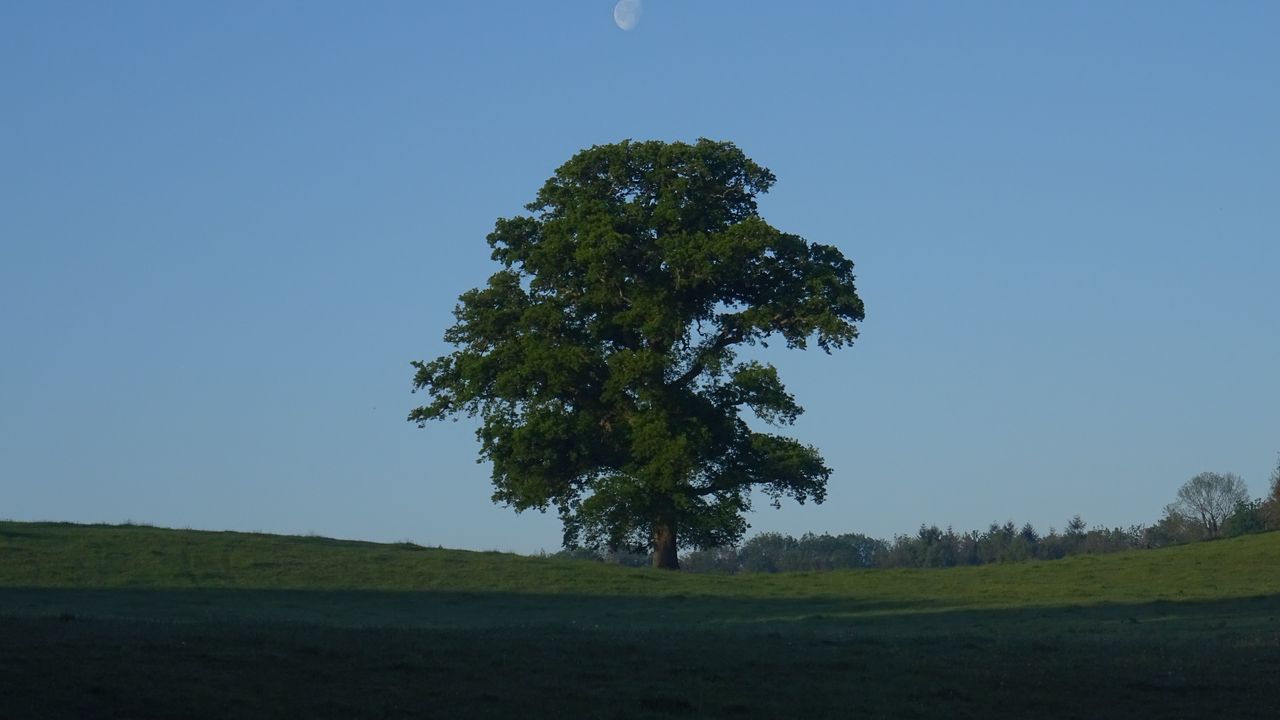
(930,547)
(1271,504)
(775,552)
(602,358)
(1248,517)
(577,554)
(1173,529)
(1075,527)
(722,560)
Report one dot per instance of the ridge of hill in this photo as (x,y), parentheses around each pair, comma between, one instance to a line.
(64,555)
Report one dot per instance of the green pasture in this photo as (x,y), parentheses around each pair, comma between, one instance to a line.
(109,621)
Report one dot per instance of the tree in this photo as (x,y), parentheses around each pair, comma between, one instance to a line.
(1247,518)
(1271,503)
(1210,498)
(1076,526)
(768,552)
(602,358)
(1172,529)
(1073,535)
(722,560)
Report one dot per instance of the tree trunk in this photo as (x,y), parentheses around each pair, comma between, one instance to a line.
(664,545)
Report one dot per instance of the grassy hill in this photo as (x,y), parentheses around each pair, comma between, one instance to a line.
(111,621)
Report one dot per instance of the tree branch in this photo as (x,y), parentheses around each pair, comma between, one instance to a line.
(726,338)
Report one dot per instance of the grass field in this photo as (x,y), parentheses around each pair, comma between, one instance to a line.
(140,622)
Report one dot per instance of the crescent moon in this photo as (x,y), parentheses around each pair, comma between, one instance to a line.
(627,13)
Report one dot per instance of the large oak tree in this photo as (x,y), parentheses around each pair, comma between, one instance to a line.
(602,359)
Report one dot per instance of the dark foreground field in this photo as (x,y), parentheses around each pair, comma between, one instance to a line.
(142,622)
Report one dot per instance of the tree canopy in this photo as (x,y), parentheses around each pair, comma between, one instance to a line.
(603,357)
(1271,503)
(1209,499)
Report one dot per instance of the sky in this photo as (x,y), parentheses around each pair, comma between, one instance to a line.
(227,228)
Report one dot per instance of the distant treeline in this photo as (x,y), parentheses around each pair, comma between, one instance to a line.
(932,546)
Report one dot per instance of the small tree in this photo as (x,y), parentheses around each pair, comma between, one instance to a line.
(1246,519)
(1172,529)
(601,356)
(1076,527)
(723,560)
(1208,499)
(767,552)
(1073,535)
(1271,503)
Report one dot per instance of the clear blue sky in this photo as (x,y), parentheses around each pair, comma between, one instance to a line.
(226,228)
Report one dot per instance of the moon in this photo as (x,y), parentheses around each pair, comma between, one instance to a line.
(627,13)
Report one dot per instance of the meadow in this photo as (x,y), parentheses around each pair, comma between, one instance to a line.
(143,622)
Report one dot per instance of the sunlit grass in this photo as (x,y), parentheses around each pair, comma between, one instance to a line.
(65,555)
